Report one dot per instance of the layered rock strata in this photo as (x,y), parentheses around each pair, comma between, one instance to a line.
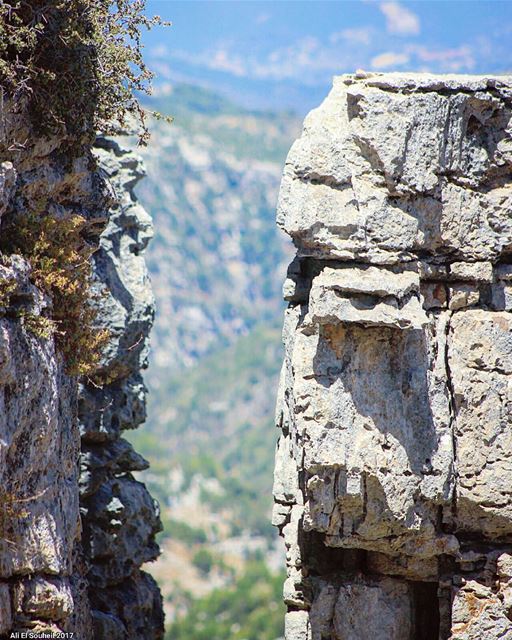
(71,543)
(393,477)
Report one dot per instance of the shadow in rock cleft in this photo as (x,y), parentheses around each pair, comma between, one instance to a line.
(350,600)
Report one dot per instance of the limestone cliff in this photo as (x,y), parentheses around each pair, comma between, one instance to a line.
(75,526)
(393,477)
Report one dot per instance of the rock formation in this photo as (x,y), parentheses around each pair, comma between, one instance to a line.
(120,517)
(393,477)
(72,542)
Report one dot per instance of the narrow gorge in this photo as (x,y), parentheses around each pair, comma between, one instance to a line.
(393,476)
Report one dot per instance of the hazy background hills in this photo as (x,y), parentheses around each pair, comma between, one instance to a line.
(282,55)
(217,264)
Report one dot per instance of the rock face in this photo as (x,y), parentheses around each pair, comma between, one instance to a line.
(75,526)
(120,517)
(393,477)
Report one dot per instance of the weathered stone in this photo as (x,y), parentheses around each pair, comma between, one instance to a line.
(57,554)
(387,606)
(280,514)
(372,444)
(39,517)
(126,307)
(104,412)
(296,625)
(395,400)
(461,296)
(39,437)
(121,522)
(371,297)
(471,271)
(5,609)
(7,182)
(478,612)
(99,462)
(382,172)
(434,295)
(107,626)
(137,603)
(120,517)
(286,485)
(480,361)
(409,567)
(44,598)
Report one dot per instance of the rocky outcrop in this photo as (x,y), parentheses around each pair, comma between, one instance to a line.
(120,517)
(393,480)
(72,540)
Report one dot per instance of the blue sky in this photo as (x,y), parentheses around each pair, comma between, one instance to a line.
(284,53)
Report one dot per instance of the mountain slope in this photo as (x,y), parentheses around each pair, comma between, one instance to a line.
(217,260)
(217,264)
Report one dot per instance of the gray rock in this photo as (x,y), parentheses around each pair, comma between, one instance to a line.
(39,518)
(119,516)
(105,411)
(7,182)
(387,605)
(393,475)
(108,626)
(126,306)
(366,296)
(60,551)
(98,462)
(121,520)
(44,598)
(39,439)
(381,173)
(137,602)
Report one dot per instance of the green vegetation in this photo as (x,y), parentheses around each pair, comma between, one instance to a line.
(204,560)
(72,67)
(222,428)
(75,64)
(41,326)
(7,288)
(249,610)
(179,530)
(217,264)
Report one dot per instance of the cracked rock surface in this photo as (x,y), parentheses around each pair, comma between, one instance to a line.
(75,526)
(393,476)
(120,517)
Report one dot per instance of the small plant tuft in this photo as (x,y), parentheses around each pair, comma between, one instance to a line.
(7,288)
(41,326)
(60,258)
(10,509)
(74,67)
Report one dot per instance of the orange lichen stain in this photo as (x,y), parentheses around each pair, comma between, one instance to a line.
(335,336)
(503,323)
(475,608)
